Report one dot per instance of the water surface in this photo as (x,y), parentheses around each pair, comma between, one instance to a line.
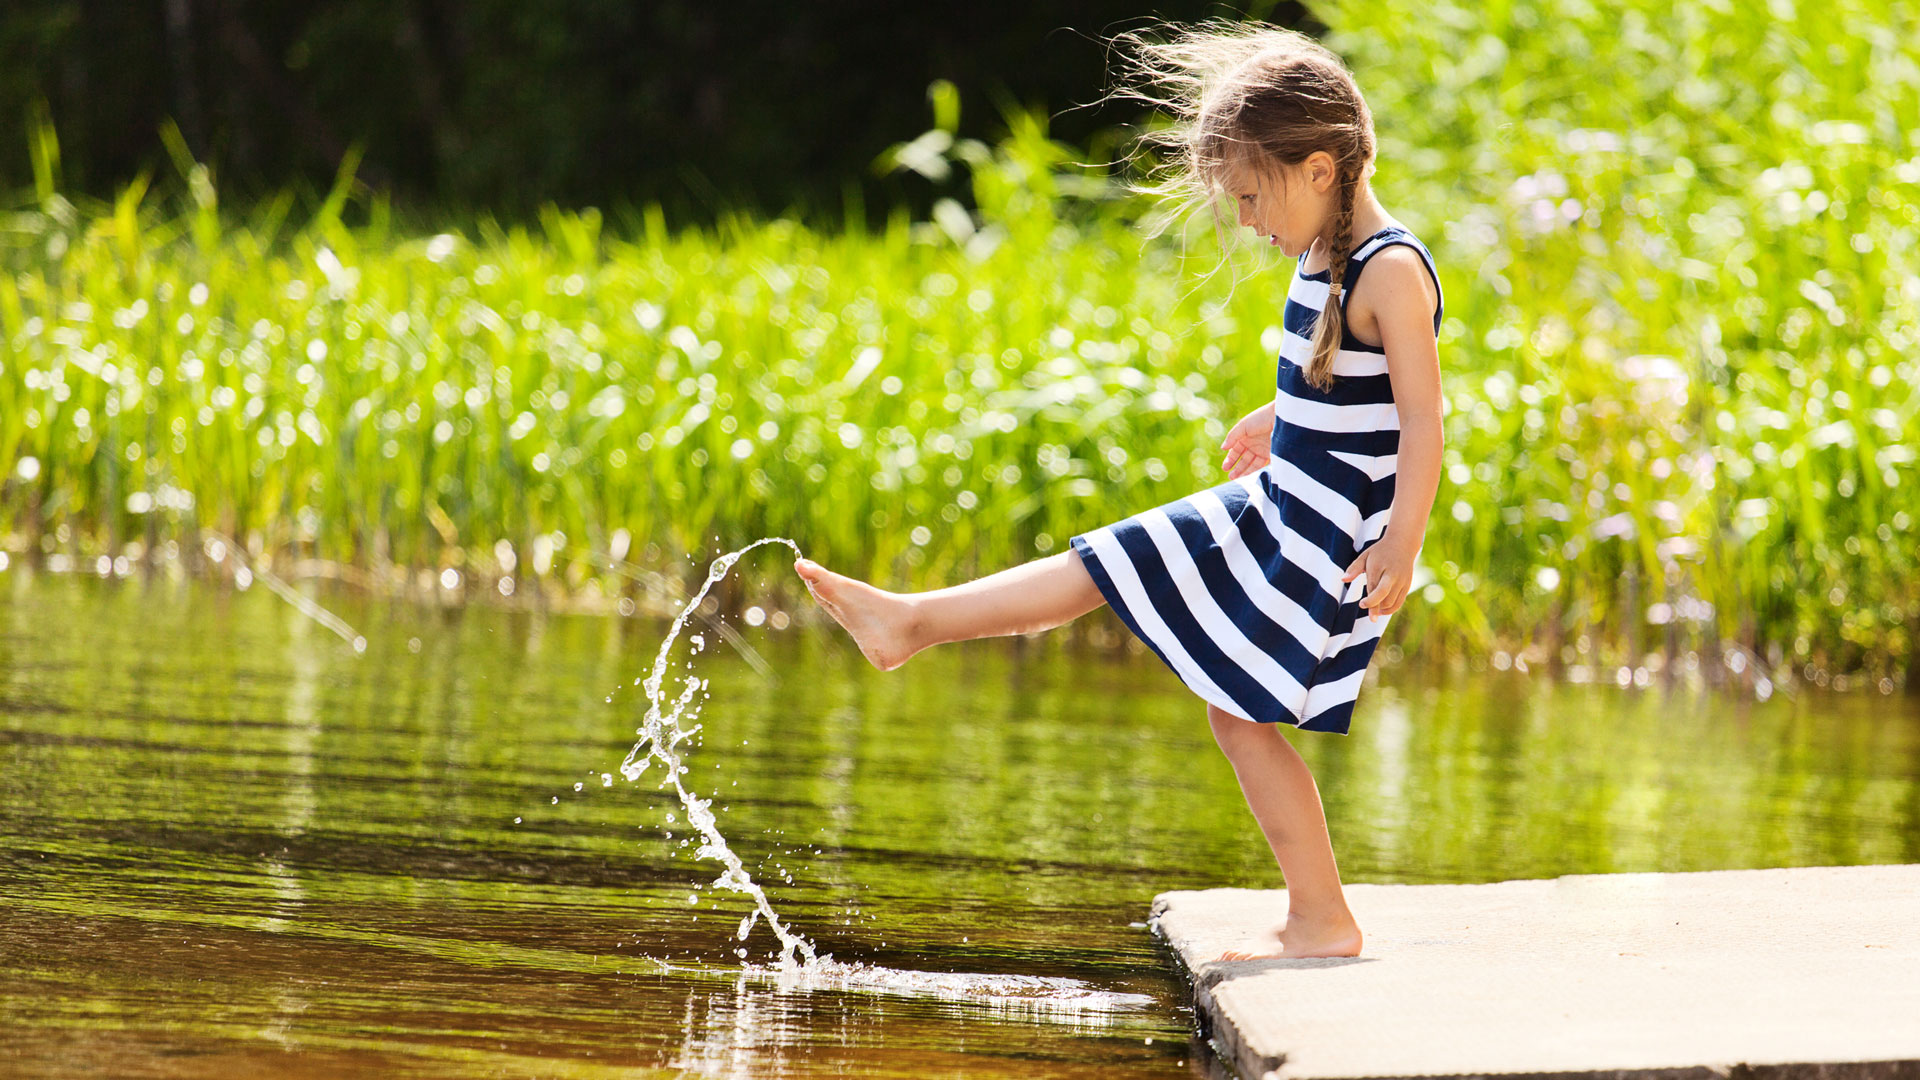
(231,847)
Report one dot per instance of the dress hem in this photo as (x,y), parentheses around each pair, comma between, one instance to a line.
(1341,715)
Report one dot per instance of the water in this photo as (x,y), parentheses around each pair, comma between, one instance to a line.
(661,734)
(231,846)
(800,967)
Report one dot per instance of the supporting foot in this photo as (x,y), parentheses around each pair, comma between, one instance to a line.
(1300,937)
(881,622)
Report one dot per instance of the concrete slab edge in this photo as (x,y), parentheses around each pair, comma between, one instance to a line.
(1217,1031)
(1235,1059)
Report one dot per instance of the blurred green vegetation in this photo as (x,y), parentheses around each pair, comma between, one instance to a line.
(1679,350)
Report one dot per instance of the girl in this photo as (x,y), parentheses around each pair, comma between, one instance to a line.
(1254,590)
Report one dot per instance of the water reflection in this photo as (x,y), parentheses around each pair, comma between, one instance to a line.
(231,846)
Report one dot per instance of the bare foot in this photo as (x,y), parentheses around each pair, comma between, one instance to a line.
(1298,937)
(881,622)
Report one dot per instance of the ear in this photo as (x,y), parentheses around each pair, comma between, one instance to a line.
(1321,171)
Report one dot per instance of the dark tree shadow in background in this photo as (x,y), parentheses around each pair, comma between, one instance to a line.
(502,105)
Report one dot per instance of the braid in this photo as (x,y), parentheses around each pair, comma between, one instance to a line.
(1331,326)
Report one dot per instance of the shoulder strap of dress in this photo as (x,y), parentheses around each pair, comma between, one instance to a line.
(1393,234)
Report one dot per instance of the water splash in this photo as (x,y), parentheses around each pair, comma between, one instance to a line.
(1055,998)
(661,734)
(800,968)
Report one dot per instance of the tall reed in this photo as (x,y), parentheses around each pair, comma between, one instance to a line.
(1679,355)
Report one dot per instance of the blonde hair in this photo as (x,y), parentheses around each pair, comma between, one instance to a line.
(1257,96)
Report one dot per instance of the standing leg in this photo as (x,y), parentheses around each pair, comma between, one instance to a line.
(1286,802)
(891,627)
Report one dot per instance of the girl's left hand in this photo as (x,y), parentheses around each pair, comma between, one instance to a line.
(1388,564)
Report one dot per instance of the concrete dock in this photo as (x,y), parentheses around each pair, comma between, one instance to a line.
(1787,973)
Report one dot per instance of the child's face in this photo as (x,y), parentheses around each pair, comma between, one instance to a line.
(1289,205)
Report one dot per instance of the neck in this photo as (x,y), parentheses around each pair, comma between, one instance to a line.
(1368,218)
(1368,215)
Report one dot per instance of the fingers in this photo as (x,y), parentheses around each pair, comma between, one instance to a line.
(1382,612)
(1385,600)
(1377,592)
(1242,462)
(1238,457)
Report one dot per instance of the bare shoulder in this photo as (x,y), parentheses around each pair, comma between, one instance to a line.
(1395,288)
(1396,274)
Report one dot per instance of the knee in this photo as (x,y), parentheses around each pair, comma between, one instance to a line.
(1235,734)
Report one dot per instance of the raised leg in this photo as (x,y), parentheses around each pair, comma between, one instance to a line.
(891,627)
(1286,803)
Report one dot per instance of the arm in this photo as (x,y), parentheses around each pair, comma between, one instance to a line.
(1401,296)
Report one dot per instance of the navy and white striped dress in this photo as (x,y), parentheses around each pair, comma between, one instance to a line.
(1238,587)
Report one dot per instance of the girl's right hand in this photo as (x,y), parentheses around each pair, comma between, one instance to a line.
(1248,442)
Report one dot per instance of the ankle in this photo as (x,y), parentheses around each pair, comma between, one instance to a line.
(915,626)
(1331,914)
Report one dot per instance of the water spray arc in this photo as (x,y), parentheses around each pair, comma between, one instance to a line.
(662,732)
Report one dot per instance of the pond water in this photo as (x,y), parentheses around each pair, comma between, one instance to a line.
(230,846)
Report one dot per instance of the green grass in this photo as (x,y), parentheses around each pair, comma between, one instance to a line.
(1679,351)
